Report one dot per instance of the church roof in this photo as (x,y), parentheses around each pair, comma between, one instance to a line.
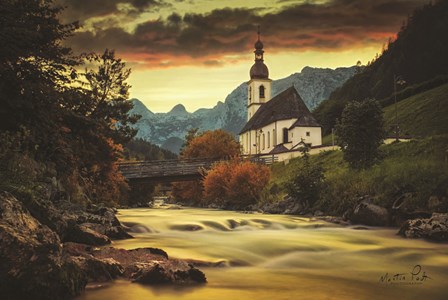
(286,105)
(279,149)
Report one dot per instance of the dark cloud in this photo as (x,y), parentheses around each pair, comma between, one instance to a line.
(81,10)
(338,24)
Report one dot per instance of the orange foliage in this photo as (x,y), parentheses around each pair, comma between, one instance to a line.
(212,144)
(235,184)
(189,192)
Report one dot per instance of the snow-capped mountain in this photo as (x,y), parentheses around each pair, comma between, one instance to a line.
(169,129)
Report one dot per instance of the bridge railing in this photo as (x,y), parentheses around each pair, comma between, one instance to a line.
(176,167)
(142,169)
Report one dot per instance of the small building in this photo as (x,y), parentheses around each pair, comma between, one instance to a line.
(277,126)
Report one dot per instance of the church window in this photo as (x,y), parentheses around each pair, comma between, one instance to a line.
(269,139)
(285,135)
(262,91)
(263,142)
(274,139)
(250,94)
(307,133)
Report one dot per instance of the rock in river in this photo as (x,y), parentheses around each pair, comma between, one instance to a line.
(370,214)
(434,228)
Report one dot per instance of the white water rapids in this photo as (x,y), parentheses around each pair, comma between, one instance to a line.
(282,257)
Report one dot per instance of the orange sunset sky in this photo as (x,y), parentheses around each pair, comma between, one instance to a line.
(195,52)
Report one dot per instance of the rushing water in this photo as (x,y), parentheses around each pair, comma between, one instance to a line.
(281,257)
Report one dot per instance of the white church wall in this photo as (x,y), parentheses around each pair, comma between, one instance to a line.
(310,135)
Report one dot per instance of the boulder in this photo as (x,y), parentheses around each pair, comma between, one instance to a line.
(84,235)
(166,272)
(31,262)
(370,214)
(434,228)
(287,205)
(99,270)
(143,265)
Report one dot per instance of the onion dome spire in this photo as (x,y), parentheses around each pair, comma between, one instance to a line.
(259,69)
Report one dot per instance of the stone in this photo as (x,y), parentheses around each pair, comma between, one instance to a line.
(166,272)
(31,262)
(434,228)
(370,214)
(99,270)
(84,235)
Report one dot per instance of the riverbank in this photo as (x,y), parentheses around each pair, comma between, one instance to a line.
(50,251)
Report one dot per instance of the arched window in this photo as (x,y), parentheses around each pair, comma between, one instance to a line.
(285,135)
(274,139)
(250,94)
(263,143)
(269,139)
(262,91)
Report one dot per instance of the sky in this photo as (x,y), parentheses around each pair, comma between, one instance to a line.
(195,52)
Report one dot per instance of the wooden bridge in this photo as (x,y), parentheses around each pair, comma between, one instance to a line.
(174,170)
(165,170)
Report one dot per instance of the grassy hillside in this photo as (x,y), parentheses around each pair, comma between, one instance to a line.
(418,55)
(421,115)
(417,168)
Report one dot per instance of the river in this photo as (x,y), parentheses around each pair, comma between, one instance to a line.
(282,257)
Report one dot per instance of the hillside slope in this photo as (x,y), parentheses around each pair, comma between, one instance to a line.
(422,115)
(418,55)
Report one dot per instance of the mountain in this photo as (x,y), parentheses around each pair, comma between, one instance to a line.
(417,57)
(169,129)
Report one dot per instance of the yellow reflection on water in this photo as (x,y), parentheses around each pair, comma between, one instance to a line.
(280,257)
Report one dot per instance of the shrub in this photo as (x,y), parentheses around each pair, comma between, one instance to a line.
(307,183)
(235,184)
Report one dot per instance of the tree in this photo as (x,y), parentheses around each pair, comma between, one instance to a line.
(235,184)
(212,144)
(307,183)
(360,133)
(73,122)
(216,144)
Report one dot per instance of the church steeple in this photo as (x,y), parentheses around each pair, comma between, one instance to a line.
(259,86)
(259,69)
(259,48)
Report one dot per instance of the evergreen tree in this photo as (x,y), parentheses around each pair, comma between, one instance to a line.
(307,183)
(360,133)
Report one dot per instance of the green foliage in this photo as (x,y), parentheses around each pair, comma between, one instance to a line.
(139,149)
(360,133)
(307,183)
(418,55)
(421,115)
(419,168)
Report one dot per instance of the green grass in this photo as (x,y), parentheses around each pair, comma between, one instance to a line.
(421,115)
(419,168)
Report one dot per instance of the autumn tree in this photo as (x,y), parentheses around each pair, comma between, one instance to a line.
(360,133)
(235,184)
(216,144)
(212,144)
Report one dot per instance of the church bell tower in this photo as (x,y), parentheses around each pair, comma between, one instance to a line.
(259,86)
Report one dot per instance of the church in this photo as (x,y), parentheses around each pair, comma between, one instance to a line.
(279,125)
